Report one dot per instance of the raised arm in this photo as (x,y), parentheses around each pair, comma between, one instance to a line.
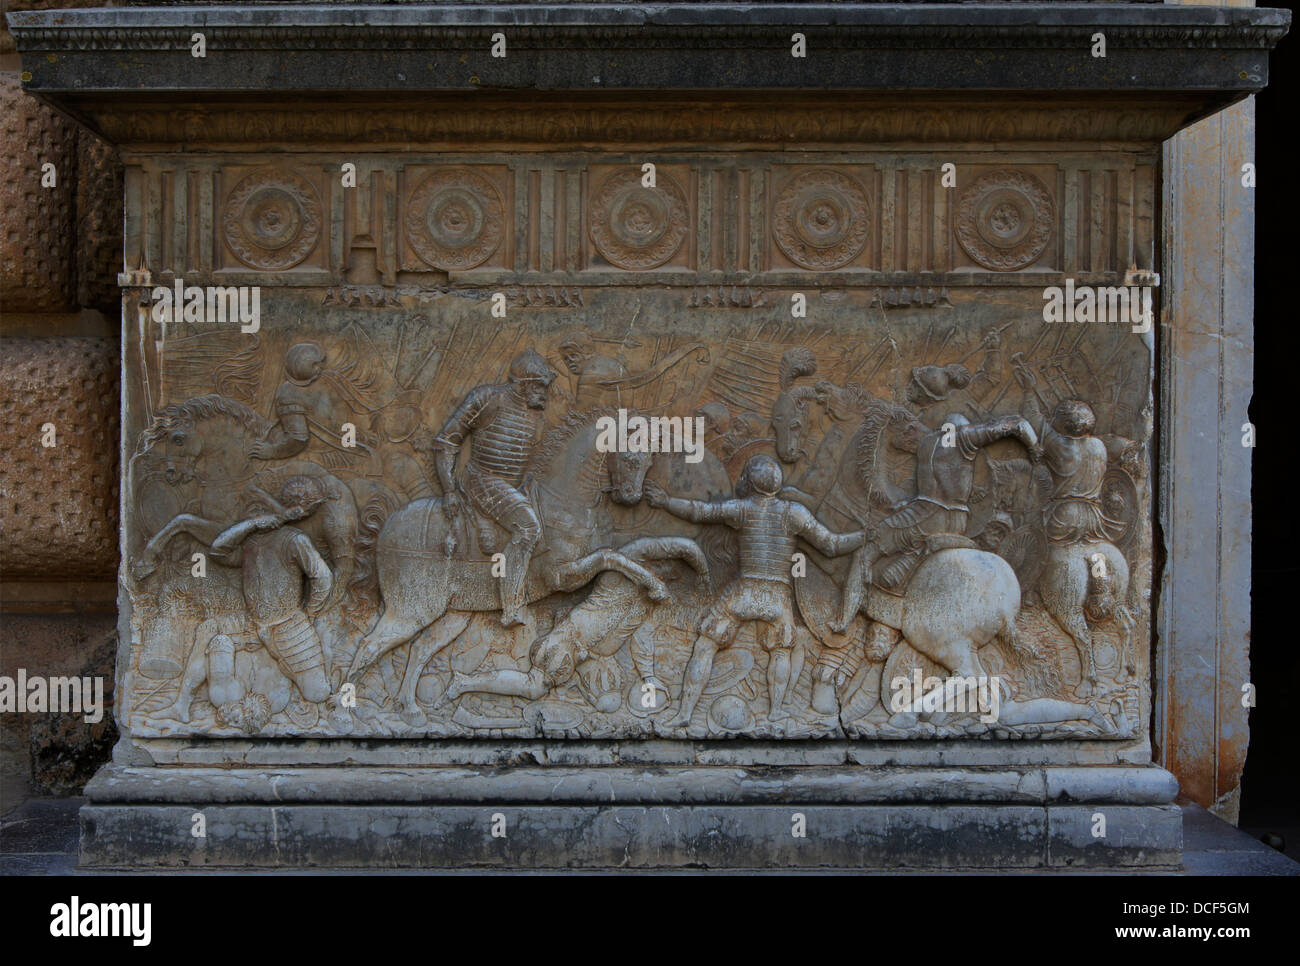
(231,537)
(971,439)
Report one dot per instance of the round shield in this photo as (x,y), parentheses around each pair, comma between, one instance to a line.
(1026,550)
(1119,501)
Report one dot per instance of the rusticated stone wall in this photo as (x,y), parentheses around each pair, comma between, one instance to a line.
(60,251)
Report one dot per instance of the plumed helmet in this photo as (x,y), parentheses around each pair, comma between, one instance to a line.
(301,358)
(528,365)
(937,381)
(764,475)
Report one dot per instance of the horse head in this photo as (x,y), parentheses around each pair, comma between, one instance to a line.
(626,473)
(790,421)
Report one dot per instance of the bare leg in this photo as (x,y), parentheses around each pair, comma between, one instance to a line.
(196,672)
(529,684)
(778,681)
(441,633)
(205,531)
(696,677)
(574,575)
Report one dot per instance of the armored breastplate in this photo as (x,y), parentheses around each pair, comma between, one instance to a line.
(765,544)
(501,448)
(943,475)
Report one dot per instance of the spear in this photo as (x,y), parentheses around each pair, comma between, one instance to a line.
(1025,355)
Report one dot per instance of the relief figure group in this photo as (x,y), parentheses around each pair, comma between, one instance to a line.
(404,549)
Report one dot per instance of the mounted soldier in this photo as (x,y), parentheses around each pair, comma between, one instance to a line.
(504,421)
(937,516)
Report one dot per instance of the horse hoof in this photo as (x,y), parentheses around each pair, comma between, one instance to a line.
(658,593)
(1084,689)
(413,716)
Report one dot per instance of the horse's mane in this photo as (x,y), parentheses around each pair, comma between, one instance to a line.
(195,410)
(558,437)
(877,418)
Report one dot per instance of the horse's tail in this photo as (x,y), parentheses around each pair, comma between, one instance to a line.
(1041,675)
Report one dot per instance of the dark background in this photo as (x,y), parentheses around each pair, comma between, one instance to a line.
(1269,798)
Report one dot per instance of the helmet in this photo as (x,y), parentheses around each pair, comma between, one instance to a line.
(937,382)
(528,366)
(1073,417)
(764,475)
(300,360)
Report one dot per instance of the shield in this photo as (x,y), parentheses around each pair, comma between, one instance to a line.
(1119,502)
(1026,550)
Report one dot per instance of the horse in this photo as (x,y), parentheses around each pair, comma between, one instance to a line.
(959,599)
(426,587)
(191,474)
(1063,589)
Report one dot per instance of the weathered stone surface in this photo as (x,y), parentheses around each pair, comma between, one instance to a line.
(581,784)
(99,224)
(622,818)
(402,508)
(58,504)
(36,222)
(1204,639)
(53,752)
(1128,837)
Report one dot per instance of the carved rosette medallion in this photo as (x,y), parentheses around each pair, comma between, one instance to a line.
(1004,220)
(636,227)
(455,219)
(821,219)
(272,220)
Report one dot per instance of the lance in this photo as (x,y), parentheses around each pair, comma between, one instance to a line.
(893,346)
(999,330)
(863,361)
(943,344)
(1025,355)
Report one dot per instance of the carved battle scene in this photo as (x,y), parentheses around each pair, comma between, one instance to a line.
(393,509)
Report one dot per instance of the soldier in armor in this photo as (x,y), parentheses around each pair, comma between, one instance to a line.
(1077,461)
(504,420)
(945,473)
(307,407)
(591,368)
(275,558)
(770,529)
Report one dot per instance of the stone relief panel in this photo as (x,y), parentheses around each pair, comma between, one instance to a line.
(821,218)
(633,226)
(390,512)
